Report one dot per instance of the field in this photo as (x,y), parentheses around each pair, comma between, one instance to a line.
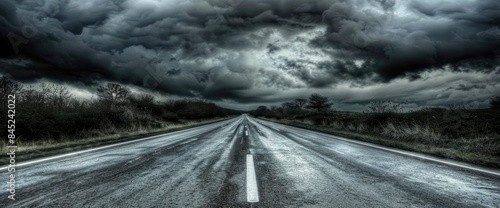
(50,120)
(461,134)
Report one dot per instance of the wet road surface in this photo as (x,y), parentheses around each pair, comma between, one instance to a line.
(212,165)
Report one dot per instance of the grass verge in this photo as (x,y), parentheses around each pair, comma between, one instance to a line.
(415,146)
(33,150)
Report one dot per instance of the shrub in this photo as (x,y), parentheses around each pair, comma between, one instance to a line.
(50,111)
(495,103)
(384,107)
(169,116)
(378,119)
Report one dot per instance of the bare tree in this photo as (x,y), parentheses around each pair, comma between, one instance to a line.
(8,87)
(146,102)
(143,99)
(289,105)
(261,111)
(384,107)
(56,95)
(495,102)
(319,103)
(288,108)
(146,98)
(277,111)
(113,93)
(300,103)
(32,96)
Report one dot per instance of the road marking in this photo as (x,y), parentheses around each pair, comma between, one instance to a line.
(202,129)
(337,151)
(435,160)
(246,133)
(402,152)
(80,152)
(189,140)
(252,191)
(417,155)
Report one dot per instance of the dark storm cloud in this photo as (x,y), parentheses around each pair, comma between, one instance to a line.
(438,34)
(463,87)
(299,69)
(211,48)
(100,11)
(272,48)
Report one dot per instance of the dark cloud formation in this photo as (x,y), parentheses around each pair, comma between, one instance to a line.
(433,34)
(247,50)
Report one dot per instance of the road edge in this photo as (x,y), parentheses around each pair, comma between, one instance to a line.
(90,146)
(441,160)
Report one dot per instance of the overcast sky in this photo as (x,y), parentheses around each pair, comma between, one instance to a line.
(245,53)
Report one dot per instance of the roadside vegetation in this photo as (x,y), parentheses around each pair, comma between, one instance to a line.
(455,132)
(49,117)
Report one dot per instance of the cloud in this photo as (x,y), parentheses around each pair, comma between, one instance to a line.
(226,50)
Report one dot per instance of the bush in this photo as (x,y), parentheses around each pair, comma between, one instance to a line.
(495,103)
(51,112)
(375,121)
(169,116)
(384,107)
(321,120)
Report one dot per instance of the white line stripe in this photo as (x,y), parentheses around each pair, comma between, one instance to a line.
(189,140)
(435,160)
(416,155)
(402,152)
(98,148)
(80,152)
(252,191)
(246,133)
(337,151)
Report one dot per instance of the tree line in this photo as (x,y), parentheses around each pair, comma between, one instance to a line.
(315,104)
(318,105)
(52,111)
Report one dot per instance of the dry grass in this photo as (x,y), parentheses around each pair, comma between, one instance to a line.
(91,138)
(472,139)
(410,132)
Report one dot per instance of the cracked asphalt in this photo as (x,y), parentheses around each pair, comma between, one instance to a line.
(205,167)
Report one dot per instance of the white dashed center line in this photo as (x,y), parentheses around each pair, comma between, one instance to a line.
(252,191)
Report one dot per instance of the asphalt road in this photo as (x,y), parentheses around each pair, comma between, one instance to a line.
(208,166)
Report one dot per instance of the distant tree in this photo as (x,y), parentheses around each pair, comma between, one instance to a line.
(169,116)
(300,103)
(142,100)
(384,107)
(8,87)
(146,102)
(495,102)
(33,97)
(56,95)
(113,93)
(194,109)
(290,109)
(261,111)
(277,111)
(145,98)
(289,105)
(458,107)
(191,110)
(319,103)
